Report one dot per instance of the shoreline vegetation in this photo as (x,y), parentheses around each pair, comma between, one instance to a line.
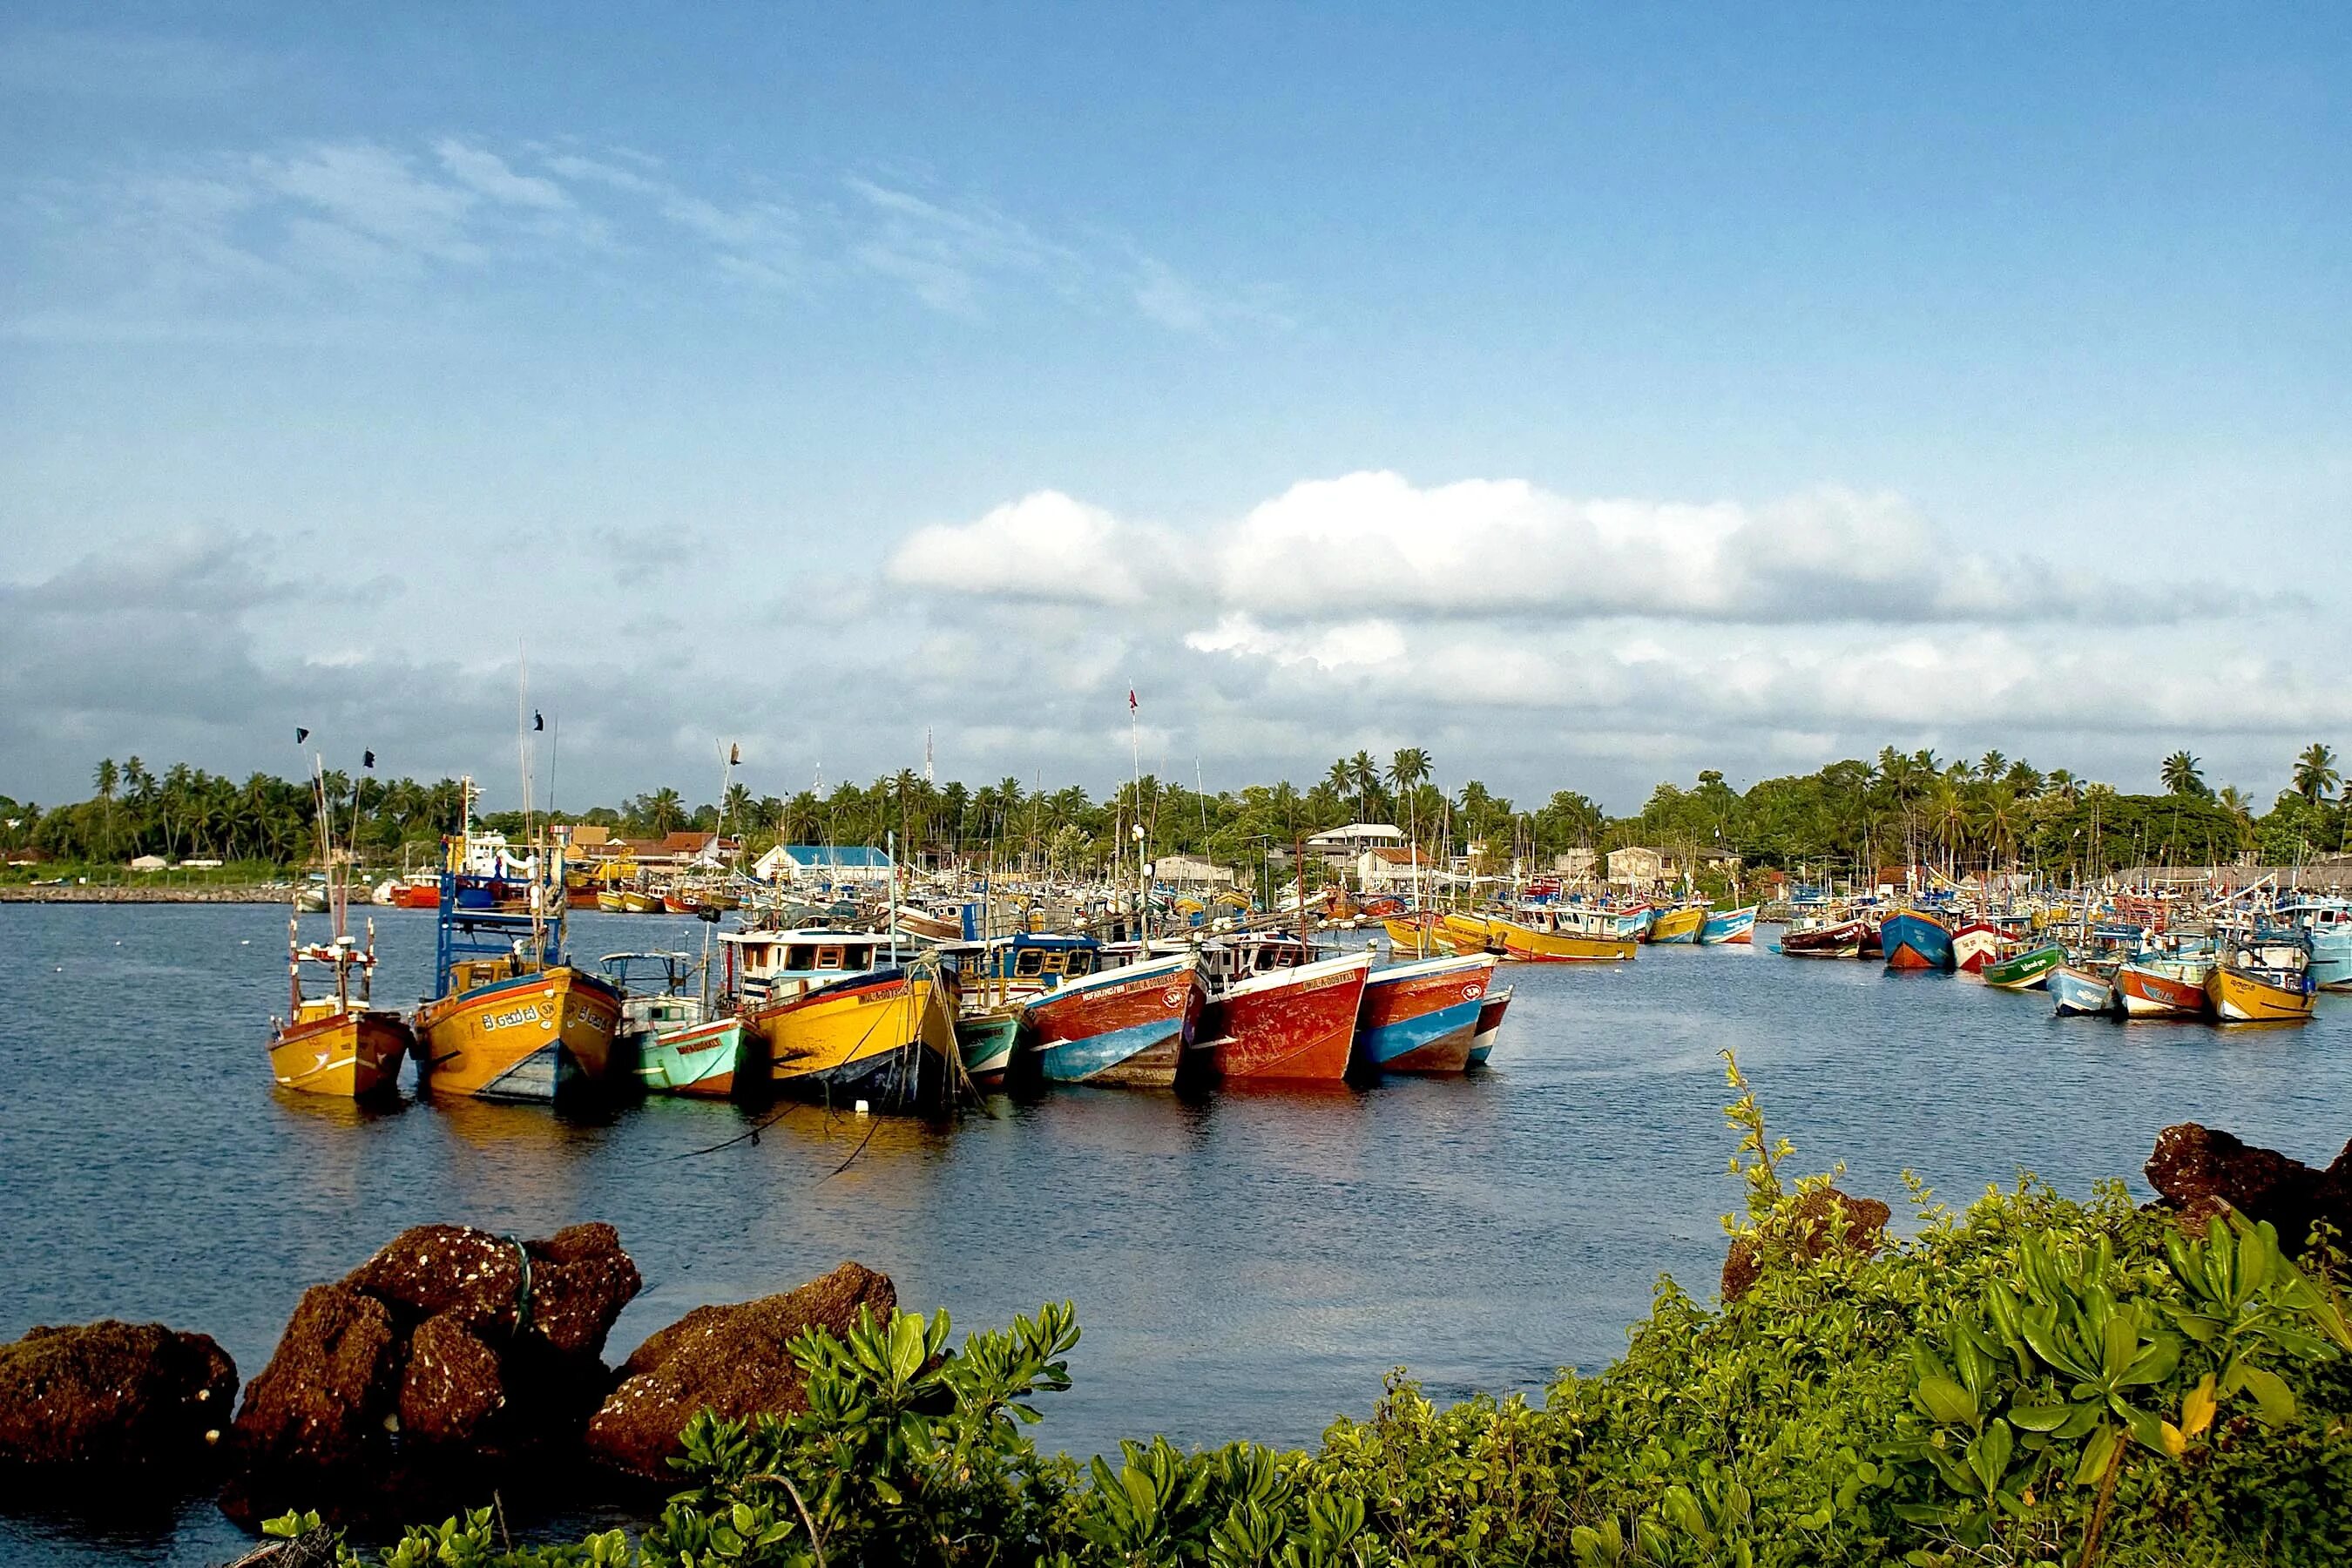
(1853,815)
(2037,1379)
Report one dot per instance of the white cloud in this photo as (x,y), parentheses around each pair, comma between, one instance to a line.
(488,174)
(1046,547)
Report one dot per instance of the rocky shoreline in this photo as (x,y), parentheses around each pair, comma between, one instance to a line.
(110,893)
(454,1360)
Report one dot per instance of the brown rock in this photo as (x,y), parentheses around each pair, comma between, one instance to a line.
(112,1394)
(2199,1171)
(322,1398)
(579,1279)
(731,1359)
(453,1387)
(1807,1234)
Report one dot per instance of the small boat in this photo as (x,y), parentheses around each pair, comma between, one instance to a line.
(609,900)
(1296,1024)
(984,1041)
(1419,935)
(2026,971)
(1541,938)
(2154,987)
(2264,982)
(2080,991)
(1490,1024)
(1126,1026)
(714,1059)
(1727,927)
(1832,938)
(1682,924)
(336,1044)
(2327,925)
(1420,1016)
(1471,934)
(636,901)
(1913,938)
(1974,943)
(885,1038)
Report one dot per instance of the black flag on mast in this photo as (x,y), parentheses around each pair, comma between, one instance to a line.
(367,759)
(301,734)
(735,756)
(538,719)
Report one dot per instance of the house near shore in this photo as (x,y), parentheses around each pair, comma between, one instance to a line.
(150,863)
(824,865)
(1386,869)
(1191,870)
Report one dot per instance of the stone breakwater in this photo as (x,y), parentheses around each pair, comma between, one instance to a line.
(250,893)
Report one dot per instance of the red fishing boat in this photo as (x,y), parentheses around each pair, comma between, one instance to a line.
(2163,988)
(1293,1024)
(1420,1018)
(1841,938)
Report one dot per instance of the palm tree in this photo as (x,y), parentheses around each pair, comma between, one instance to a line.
(1364,778)
(1408,768)
(2315,773)
(2180,775)
(665,809)
(2062,783)
(1992,766)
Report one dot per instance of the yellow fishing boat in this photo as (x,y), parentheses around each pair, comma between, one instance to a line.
(1534,945)
(2245,992)
(336,1043)
(1473,934)
(886,1037)
(609,900)
(1678,925)
(1421,937)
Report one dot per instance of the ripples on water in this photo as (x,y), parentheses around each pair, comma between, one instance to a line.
(1244,1265)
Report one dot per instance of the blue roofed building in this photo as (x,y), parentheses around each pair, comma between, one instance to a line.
(823,864)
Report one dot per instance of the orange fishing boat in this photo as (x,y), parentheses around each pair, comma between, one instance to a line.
(335,1043)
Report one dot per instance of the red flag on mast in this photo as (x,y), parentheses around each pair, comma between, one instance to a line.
(1130,699)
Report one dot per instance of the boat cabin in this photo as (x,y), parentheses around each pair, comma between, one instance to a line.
(1229,959)
(771,966)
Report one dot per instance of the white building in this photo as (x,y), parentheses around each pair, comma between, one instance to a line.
(823,864)
(1191,870)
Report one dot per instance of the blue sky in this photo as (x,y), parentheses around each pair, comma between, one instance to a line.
(1588,396)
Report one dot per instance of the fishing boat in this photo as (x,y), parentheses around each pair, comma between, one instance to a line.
(1293,1024)
(1421,1016)
(714,1059)
(2155,987)
(1729,927)
(1826,938)
(2027,970)
(335,1043)
(884,1038)
(1419,935)
(2082,991)
(2264,982)
(1491,1008)
(1974,943)
(1682,924)
(2327,925)
(1126,1026)
(1914,939)
(1471,934)
(512,1019)
(1551,937)
(984,1043)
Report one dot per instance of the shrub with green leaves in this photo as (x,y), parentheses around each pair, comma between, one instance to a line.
(2035,1380)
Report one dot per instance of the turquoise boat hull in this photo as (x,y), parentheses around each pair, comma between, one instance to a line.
(985,1043)
(710,1061)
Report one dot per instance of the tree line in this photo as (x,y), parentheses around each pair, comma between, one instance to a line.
(1901,808)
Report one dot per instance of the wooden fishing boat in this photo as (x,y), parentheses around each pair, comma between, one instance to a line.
(512,1019)
(2026,971)
(2082,991)
(2163,988)
(1420,936)
(886,1037)
(1491,1008)
(1420,1016)
(2261,982)
(637,902)
(1729,927)
(1874,941)
(1126,1028)
(1974,943)
(336,1043)
(1682,924)
(609,900)
(715,1060)
(1914,939)
(1535,944)
(2327,925)
(984,1041)
(1295,1024)
(1471,933)
(1839,939)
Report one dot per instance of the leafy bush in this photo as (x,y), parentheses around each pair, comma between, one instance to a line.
(2034,1380)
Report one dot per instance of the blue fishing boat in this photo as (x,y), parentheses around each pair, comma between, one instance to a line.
(2081,992)
(1421,1016)
(1728,926)
(1913,938)
(2326,923)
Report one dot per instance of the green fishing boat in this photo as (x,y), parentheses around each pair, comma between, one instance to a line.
(710,1060)
(985,1042)
(2026,971)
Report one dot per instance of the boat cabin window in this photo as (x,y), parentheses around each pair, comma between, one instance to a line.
(827,958)
(1028,963)
(800,958)
(1081,961)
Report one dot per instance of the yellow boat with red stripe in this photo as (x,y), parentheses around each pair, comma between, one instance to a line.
(886,1037)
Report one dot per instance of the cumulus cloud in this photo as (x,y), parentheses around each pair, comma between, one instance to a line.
(1045,546)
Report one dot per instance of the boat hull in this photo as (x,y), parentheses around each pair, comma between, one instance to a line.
(530,1038)
(2242,996)
(2025,971)
(1295,1026)
(1729,927)
(716,1060)
(2081,992)
(1916,941)
(1975,944)
(1678,925)
(1842,941)
(1491,1008)
(2151,994)
(884,1038)
(1529,945)
(1123,1027)
(351,1056)
(1420,1018)
(985,1040)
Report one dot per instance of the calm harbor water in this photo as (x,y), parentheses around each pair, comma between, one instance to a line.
(1243,1266)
